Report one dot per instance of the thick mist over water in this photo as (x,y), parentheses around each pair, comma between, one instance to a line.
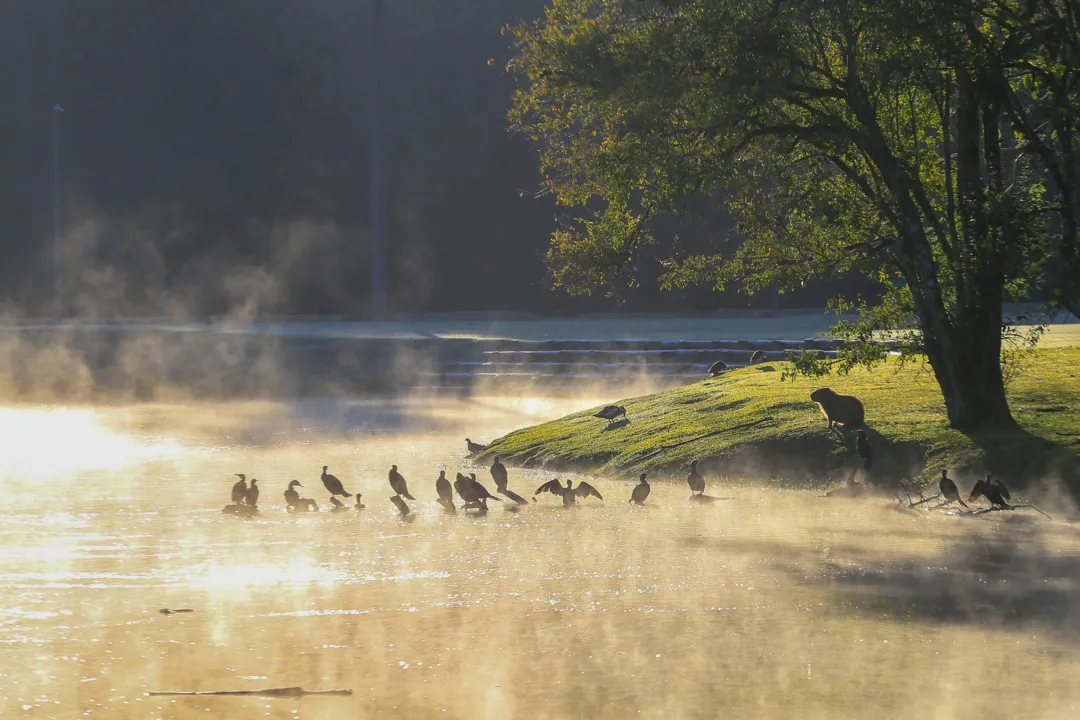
(766,603)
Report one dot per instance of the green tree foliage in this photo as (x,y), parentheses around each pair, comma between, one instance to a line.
(907,140)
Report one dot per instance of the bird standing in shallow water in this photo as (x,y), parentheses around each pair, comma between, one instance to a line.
(239,489)
(949,490)
(446,493)
(294,502)
(641,490)
(397,483)
(695,479)
(252,496)
(498,474)
(862,447)
(333,485)
(569,494)
(473,447)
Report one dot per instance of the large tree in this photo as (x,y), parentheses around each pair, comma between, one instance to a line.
(901,139)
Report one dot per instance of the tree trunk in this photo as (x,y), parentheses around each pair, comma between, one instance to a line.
(967,365)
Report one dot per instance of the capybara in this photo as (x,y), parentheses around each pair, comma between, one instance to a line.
(758,357)
(845,410)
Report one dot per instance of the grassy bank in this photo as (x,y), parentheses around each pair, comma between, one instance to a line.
(904,413)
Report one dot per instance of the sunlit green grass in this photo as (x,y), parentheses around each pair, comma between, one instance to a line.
(904,411)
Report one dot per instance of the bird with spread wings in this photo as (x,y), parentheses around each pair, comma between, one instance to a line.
(569,494)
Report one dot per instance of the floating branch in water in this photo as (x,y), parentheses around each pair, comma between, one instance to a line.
(662,448)
(268,692)
(168,611)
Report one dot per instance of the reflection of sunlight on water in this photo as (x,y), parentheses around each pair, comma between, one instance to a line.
(39,443)
(293,572)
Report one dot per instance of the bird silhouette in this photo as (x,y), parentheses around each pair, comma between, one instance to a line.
(862,447)
(569,494)
(949,490)
(695,479)
(992,490)
(610,412)
(480,492)
(717,368)
(252,496)
(498,474)
(294,502)
(333,485)
(474,448)
(239,489)
(641,490)
(446,493)
(397,483)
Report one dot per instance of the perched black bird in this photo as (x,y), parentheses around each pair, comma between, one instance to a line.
(294,502)
(252,496)
(473,447)
(758,356)
(465,489)
(480,492)
(717,367)
(333,485)
(569,494)
(949,491)
(397,483)
(498,474)
(446,493)
(993,491)
(862,447)
(641,490)
(239,490)
(400,504)
(695,479)
(610,412)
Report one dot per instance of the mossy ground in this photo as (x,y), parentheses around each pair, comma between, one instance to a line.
(905,416)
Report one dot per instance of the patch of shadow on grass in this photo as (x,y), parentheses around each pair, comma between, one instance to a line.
(616,425)
(1021,459)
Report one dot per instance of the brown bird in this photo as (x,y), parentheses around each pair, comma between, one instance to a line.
(252,495)
(397,483)
(473,447)
(695,479)
(569,494)
(949,490)
(610,412)
(641,490)
(480,492)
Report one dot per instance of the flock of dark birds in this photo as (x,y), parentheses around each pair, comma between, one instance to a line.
(839,410)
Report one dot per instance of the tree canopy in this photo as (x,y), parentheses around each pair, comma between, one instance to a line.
(929,144)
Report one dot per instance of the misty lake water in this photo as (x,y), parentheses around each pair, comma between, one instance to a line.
(766,603)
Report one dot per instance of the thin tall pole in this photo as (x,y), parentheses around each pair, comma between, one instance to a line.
(58,287)
(378,164)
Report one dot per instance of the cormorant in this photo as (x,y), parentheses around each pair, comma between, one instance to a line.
(252,496)
(610,412)
(569,494)
(862,447)
(397,483)
(359,505)
(446,493)
(641,490)
(239,490)
(717,367)
(293,501)
(473,447)
(498,474)
(993,491)
(758,356)
(333,485)
(695,480)
(480,492)
(949,491)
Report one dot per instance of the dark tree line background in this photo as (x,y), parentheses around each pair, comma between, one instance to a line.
(215,155)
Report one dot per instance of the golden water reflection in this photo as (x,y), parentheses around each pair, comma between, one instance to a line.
(773,604)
